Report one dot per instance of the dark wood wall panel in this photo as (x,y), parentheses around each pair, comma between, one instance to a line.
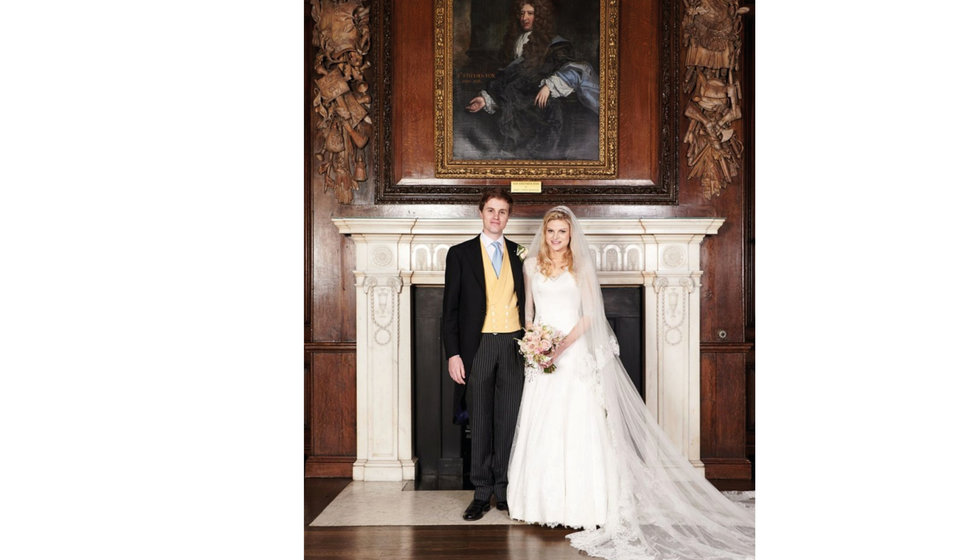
(639,112)
(750,407)
(722,283)
(723,415)
(307,383)
(413,99)
(333,297)
(333,410)
(727,297)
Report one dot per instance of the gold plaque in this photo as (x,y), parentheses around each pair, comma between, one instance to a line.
(525,186)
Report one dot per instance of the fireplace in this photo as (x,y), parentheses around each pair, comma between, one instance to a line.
(660,255)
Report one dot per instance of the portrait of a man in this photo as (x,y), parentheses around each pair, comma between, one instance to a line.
(525,80)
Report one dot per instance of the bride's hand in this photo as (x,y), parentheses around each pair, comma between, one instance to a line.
(554,356)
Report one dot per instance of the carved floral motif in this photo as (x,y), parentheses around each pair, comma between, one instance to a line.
(674,256)
(382,256)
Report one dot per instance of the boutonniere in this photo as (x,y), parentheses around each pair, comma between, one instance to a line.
(521,252)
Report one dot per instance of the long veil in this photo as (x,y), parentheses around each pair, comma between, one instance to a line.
(660,507)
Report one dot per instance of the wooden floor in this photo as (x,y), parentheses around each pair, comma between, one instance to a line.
(495,542)
(490,542)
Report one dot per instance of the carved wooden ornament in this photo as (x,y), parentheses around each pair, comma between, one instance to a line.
(341,40)
(711,35)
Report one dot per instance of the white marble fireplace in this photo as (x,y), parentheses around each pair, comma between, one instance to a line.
(660,254)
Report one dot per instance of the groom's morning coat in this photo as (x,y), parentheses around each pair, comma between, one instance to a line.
(464,303)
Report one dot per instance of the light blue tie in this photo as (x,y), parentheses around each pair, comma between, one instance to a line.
(497,258)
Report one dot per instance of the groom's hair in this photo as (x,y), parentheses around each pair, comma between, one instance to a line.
(497,192)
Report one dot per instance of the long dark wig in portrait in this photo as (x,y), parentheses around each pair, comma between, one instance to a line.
(542,32)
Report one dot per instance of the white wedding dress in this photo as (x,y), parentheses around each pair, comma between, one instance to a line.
(558,471)
(588,454)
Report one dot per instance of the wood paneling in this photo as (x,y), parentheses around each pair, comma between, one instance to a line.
(727,258)
(722,284)
(723,418)
(333,410)
(307,428)
(323,466)
(333,301)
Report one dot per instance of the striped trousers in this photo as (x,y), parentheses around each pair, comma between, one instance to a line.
(493,388)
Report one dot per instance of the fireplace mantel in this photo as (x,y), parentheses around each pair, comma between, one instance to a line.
(660,254)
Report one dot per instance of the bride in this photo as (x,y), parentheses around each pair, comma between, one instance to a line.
(587,453)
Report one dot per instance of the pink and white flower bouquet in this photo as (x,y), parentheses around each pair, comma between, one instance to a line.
(538,345)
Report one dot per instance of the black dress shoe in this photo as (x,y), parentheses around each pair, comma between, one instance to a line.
(502,505)
(476,510)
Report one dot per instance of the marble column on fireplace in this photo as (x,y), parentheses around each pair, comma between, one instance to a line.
(660,254)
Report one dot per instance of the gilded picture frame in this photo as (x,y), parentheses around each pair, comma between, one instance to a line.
(403,160)
(568,133)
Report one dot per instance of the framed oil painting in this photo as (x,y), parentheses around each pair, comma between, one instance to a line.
(433,59)
(526,89)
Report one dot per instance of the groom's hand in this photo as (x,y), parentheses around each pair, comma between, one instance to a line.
(456,370)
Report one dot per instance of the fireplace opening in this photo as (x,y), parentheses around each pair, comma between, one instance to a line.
(442,447)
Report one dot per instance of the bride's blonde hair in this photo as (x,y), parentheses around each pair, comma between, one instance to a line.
(545,265)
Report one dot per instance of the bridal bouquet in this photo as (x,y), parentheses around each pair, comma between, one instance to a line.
(538,344)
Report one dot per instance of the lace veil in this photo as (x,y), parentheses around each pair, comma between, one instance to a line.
(660,507)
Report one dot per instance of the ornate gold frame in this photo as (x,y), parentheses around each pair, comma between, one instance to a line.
(603,168)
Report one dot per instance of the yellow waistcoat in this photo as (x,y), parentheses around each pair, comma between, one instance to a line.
(502,314)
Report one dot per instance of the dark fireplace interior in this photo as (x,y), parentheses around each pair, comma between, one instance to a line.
(442,447)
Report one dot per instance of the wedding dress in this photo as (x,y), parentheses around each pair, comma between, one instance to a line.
(559,442)
(587,452)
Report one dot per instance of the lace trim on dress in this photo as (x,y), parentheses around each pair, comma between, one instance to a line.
(554,524)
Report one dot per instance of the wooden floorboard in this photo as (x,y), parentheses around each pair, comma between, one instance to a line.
(318,493)
(493,542)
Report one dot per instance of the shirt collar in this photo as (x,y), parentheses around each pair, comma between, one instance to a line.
(485,239)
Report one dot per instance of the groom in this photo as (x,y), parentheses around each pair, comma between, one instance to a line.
(482,308)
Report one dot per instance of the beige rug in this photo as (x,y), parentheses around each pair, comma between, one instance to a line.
(389,503)
(386,503)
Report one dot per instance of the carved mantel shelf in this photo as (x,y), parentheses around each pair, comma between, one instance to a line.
(660,254)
